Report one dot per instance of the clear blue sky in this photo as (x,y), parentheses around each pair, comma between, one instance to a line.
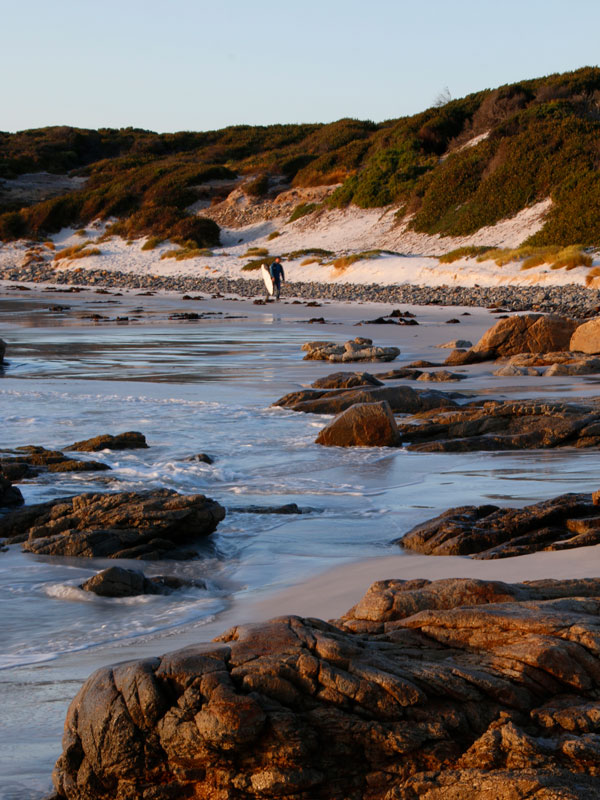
(198,65)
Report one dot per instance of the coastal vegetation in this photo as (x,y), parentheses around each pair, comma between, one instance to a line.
(451,169)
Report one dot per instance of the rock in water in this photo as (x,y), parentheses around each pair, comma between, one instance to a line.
(346,380)
(401,399)
(151,525)
(586,338)
(131,440)
(504,426)
(2,350)
(361,425)
(119,582)
(457,689)
(562,523)
(9,495)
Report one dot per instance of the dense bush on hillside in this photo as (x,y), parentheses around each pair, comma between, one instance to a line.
(453,169)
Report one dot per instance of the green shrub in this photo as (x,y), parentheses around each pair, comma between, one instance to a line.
(462,252)
(12,226)
(257,187)
(255,251)
(152,242)
(302,210)
(257,264)
(308,251)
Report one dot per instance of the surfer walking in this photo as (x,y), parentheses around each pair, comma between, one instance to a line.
(276,272)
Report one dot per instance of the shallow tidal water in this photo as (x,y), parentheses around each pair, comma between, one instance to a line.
(207,386)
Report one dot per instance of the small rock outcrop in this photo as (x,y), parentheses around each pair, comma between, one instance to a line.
(154,524)
(346,380)
(527,333)
(499,425)
(565,522)
(441,376)
(401,399)
(523,333)
(32,459)
(131,440)
(548,364)
(2,350)
(120,582)
(586,337)
(456,344)
(9,495)
(361,425)
(457,689)
(359,349)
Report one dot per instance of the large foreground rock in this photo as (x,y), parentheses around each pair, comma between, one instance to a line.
(151,525)
(361,425)
(499,425)
(565,522)
(456,689)
(359,349)
(401,399)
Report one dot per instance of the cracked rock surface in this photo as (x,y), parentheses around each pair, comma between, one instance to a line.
(448,689)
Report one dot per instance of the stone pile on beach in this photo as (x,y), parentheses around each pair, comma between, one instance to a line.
(508,425)
(154,524)
(458,689)
(358,349)
(579,302)
(487,531)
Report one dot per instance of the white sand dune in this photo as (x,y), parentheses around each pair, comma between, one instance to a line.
(343,232)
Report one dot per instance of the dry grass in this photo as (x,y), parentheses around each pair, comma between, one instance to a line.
(273,235)
(462,252)
(593,277)
(313,260)
(183,253)
(343,262)
(555,256)
(77,251)
(152,242)
(50,245)
(255,252)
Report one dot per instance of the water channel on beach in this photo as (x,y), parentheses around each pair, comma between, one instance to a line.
(207,386)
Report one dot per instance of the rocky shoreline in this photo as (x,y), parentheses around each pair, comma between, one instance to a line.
(459,689)
(572,300)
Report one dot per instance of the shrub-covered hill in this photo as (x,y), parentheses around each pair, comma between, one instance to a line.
(451,169)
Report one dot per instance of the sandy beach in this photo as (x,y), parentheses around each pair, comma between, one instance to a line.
(318,566)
